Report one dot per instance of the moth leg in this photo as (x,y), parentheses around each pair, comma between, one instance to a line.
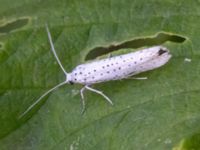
(131,76)
(110,55)
(138,78)
(100,93)
(82,100)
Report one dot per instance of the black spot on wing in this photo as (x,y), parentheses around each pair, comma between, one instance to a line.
(161,51)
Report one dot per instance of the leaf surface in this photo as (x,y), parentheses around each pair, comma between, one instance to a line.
(148,114)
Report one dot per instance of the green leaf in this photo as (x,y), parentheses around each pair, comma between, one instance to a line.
(189,143)
(148,114)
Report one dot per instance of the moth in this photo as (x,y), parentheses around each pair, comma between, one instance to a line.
(111,68)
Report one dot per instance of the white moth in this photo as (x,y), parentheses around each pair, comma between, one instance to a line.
(112,68)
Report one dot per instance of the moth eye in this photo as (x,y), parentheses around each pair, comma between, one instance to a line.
(70,82)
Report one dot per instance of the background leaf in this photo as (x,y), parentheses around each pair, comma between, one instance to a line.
(156,113)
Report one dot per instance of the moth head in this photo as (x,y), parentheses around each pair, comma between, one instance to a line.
(69,78)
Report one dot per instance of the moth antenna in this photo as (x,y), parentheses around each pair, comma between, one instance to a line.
(55,87)
(40,98)
(54,51)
